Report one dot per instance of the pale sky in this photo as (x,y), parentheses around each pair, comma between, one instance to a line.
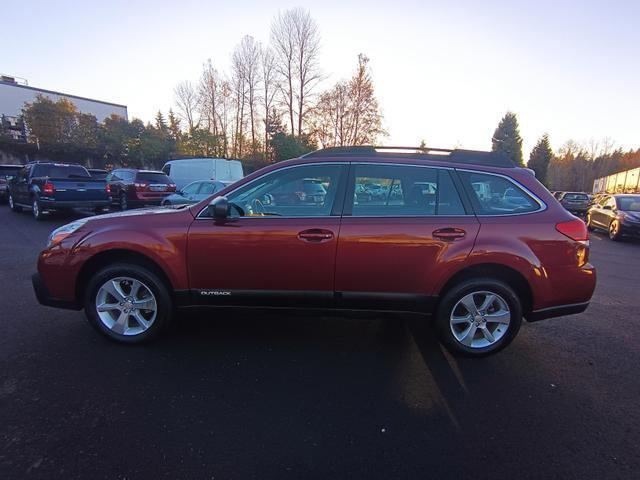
(445,71)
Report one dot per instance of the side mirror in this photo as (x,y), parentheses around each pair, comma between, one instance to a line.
(607,207)
(219,208)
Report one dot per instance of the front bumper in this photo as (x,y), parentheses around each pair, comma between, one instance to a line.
(44,298)
(630,229)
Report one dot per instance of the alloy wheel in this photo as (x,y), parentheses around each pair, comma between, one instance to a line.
(614,230)
(480,319)
(126,306)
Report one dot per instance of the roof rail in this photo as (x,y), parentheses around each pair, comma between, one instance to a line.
(476,157)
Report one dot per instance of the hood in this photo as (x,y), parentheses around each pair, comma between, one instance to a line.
(140,212)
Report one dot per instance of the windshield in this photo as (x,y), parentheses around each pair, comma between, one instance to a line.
(576,196)
(60,171)
(629,204)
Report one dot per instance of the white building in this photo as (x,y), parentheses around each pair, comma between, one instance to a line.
(14,94)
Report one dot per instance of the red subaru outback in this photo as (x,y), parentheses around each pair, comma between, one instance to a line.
(463,237)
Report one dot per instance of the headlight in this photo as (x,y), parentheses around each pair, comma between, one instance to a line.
(64,231)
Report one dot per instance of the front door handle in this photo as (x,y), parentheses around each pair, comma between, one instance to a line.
(449,234)
(315,235)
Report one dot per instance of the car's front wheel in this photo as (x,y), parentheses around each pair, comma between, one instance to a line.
(478,316)
(614,230)
(128,303)
(13,206)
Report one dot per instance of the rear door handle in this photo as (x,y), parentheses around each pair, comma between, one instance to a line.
(315,235)
(449,234)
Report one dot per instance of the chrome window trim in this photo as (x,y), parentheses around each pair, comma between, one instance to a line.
(542,206)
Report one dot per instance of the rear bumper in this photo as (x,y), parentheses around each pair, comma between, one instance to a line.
(68,204)
(44,298)
(558,311)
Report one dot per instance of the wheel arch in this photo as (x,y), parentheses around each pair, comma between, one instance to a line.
(509,275)
(112,256)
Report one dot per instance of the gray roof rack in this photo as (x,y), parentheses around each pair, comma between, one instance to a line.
(476,157)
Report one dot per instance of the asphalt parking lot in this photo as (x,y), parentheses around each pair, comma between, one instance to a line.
(280,396)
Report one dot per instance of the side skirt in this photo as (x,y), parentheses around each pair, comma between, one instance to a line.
(308,300)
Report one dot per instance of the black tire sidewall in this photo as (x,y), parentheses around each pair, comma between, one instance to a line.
(122,202)
(36,202)
(615,237)
(460,290)
(149,278)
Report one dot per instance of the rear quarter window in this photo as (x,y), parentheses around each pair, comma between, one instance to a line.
(495,195)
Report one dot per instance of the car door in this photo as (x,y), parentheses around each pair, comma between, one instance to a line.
(609,211)
(20,187)
(271,250)
(394,246)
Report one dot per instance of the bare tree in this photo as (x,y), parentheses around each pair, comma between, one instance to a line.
(296,43)
(269,89)
(348,113)
(209,92)
(239,86)
(246,62)
(187,102)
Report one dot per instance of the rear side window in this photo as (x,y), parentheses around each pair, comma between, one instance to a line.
(576,196)
(402,190)
(494,195)
(152,177)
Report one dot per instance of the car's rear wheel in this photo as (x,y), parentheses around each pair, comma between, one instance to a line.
(614,230)
(123,201)
(479,316)
(128,303)
(36,209)
(13,206)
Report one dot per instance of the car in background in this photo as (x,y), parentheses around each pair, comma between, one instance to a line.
(474,266)
(7,172)
(575,202)
(188,170)
(618,214)
(45,187)
(306,191)
(137,188)
(194,192)
(98,173)
(557,195)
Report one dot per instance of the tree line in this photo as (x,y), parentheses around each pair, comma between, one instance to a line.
(573,167)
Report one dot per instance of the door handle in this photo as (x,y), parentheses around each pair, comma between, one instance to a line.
(449,234)
(315,235)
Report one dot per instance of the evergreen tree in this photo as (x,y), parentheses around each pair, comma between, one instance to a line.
(506,139)
(174,125)
(540,158)
(161,124)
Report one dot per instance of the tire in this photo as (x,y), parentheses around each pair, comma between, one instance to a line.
(122,201)
(590,227)
(501,320)
(13,206)
(36,209)
(128,321)
(614,231)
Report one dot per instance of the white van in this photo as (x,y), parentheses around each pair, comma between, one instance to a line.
(188,170)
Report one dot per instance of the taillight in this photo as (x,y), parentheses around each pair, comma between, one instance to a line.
(48,188)
(108,189)
(171,188)
(574,229)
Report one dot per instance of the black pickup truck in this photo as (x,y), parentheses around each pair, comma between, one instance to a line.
(45,187)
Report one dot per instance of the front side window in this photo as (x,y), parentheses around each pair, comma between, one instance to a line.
(494,195)
(301,191)
(403,190)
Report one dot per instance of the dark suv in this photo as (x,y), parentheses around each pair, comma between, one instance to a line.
(463,237)
(136,188)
